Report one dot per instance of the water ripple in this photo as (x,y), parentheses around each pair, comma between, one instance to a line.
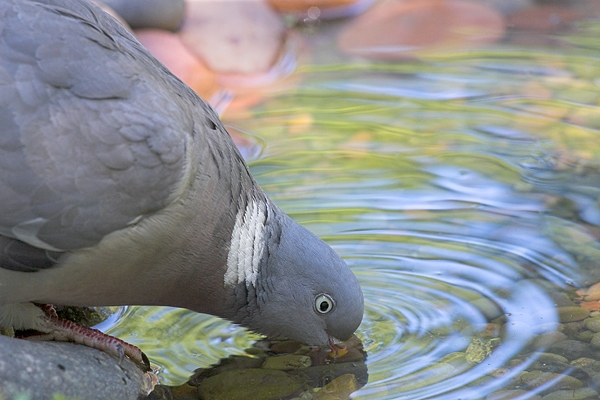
(414,321)
(451,196)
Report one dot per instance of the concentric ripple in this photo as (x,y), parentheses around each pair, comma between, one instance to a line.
(418,327)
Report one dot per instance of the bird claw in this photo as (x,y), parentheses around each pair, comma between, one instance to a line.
(67,331)
(121,352)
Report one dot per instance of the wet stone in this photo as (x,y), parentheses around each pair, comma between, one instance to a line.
(548,362)
(560,299)
(287,362)
(478,350)
(555,381)
(249,384)
(594,367)
(570,349)
(353,354)
(511,394)
(456,359)
(593,324)
(548,339)
(516,381)
(551,358)
(479,385)
(584,363)
(320,375)
(488,308)
(432,374)
(571,329)
(592,293)
(577,394)
(37,370)
(161,392)
(339,388)
(585,336)
(595,380)
(595,342)
(227,364)
(87,316)
(572,314)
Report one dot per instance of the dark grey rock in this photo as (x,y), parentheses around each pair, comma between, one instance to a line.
(572,329)
(549,362)
(571,349)
(43,369)
(548,339)
(550,381)
(161,14)
(560,299)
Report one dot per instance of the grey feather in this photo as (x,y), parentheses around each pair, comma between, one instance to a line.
(69,161)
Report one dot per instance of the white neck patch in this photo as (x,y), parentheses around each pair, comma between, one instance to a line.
(247,245)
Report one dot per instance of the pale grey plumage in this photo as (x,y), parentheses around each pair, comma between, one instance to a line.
(118,185)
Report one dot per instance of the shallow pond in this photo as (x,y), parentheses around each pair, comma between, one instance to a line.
(462,188)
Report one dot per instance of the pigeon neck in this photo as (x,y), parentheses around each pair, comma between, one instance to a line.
(247,245)
(256,227)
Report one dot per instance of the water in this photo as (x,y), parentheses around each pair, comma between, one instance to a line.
(461,189)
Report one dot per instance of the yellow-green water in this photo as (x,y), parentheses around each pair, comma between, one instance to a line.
(460,189)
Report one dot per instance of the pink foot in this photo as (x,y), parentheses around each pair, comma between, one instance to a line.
(68,331)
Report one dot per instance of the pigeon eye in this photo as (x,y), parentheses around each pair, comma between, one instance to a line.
(324,303)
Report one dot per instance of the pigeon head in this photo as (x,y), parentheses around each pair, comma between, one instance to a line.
(298,288)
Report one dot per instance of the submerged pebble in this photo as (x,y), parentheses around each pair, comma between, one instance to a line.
(571,349)
(572,314)
(577,394)
(585,336)
(595,342)
(287,362)
(512,394)
(271,373)
(593,324)
(552,381)
(233,385)
(548,339)
(339,388)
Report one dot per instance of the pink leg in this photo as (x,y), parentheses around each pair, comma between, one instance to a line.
(68,331)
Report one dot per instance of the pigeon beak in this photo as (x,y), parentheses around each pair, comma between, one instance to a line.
(337,348)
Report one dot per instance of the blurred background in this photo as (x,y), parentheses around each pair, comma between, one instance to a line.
(448,150)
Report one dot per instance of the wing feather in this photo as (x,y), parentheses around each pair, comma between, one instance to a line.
(93,130)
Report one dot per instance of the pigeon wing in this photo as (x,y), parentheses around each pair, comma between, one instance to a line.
(89,140)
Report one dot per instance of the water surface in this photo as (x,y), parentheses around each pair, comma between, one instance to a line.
(461,188)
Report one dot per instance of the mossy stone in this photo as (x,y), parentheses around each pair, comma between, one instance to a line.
(577,394)
(287,362)
(249,384)
(339,388)
(572,314)
(593,324)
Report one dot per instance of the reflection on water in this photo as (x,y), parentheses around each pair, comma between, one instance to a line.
(462,191)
